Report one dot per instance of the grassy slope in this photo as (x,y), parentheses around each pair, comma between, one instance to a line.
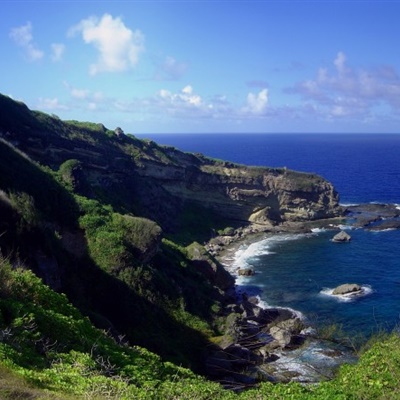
(165,305)
(49,350)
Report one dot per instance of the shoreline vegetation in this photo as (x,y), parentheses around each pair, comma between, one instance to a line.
(106,293)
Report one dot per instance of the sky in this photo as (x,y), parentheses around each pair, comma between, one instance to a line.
(204,66)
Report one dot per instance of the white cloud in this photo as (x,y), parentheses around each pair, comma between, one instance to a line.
(118,46)
(185,97)
(58,50)
(347,92)
(257,103)
(23,37)
(51,104)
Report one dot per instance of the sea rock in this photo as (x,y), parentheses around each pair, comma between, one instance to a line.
(245,271)
(346,289)
(341,237)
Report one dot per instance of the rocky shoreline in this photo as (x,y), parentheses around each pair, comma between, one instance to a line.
(269,343)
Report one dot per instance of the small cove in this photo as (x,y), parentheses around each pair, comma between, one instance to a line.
(297,270)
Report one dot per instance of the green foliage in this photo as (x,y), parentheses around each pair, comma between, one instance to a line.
(139,232)
(67,170)
(34,187)
(49,349)
(48,342)
(116,241)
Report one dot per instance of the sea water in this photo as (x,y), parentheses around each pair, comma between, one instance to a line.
(300,271)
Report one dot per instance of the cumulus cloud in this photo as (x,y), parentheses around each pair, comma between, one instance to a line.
(57,50)
(344,91)
(119,47)
(23,37)
(186,97)
(188,104)
(257,103)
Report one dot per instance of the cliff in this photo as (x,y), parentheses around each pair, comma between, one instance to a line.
(115,223)
(162,183)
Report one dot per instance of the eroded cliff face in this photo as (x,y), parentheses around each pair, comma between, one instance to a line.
(246,194)
(158,182)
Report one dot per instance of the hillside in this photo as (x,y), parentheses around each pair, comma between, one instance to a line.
(104,285)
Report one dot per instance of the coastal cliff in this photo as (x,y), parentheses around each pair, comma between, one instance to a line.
(161,182)
(116,223)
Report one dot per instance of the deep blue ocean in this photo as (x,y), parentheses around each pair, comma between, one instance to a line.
(297,271)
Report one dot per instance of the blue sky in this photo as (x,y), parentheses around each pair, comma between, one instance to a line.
(207,66)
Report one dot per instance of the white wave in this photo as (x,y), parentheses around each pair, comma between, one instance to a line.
(365,291)
(383,230)
(397,206)
(349,204)
(246,253)
(263,304)
(244,256)
(318,230)
(342,227)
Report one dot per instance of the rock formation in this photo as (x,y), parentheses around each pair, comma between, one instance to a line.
(162,181)
(341,237)
(347,288)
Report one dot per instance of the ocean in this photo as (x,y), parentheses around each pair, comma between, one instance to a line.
(299,270)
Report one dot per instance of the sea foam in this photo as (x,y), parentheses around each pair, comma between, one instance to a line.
(348,297)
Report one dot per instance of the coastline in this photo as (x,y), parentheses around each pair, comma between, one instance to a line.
(283,345)
(261,343)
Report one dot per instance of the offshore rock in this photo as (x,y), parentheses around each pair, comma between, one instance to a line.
(245,271)
(341,237)
(347,288)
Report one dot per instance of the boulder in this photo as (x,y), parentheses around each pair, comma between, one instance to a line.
(341,237)
(284,331)
(245,271)
(346,289)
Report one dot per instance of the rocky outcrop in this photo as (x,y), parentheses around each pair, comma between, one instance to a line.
(245,271)
(253,339)
(347,288)
(256,195)
(341,237)
(210,267)
(375,217)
